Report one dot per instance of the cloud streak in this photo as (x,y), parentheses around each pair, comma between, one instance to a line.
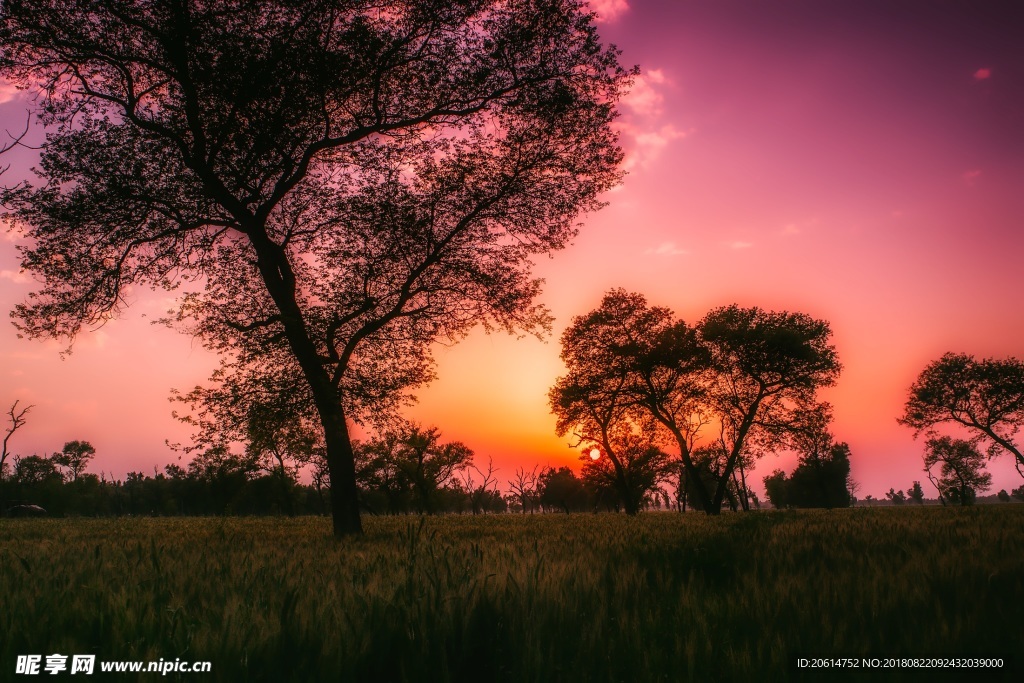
(667,249)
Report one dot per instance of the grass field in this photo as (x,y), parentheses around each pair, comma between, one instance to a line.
(510,598)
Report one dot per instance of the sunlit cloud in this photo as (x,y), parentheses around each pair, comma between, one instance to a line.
(739,244)
(667,249)
(15,276)
(644,98)
(643,130)
(982,74)
(609,10)
(971,176)
(791,229)
(7,91)
(643,146)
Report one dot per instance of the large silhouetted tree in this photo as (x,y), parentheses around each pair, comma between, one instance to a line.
(598,400)
(986,396)
(629,362)
(340,182)
(768,368)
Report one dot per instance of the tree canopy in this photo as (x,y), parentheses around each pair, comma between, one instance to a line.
(74,456)
(962,473)
(985,396)
(337,183)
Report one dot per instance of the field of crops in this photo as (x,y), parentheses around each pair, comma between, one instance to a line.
(511,598)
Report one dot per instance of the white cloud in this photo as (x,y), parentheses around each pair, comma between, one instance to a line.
(609,10)
(667,249)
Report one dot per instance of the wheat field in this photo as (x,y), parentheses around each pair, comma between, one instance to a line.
(659,597)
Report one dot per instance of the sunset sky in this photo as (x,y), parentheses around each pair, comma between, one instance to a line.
(862,162)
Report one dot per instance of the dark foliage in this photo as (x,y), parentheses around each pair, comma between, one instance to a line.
(820,480)
(986,396)
(961,474)
(634,369)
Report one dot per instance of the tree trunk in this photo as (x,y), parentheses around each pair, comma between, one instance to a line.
(692,475)
(341,465)
(621,483)
(279,279)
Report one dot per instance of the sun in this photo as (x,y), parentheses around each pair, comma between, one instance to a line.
(594,454)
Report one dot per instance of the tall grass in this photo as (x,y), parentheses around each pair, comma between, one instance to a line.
(517,598)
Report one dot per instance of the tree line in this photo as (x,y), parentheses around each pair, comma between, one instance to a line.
(409,470)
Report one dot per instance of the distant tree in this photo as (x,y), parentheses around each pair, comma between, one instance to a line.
(633,363)
(382,483)
(34,469)
(776,488)
(962,470)
(343,183)
(561,489)
(266,420)
(17,421)
(1003,496)
(896,497)
(429,464)
(74,457)
(1018,493)
(915,493)
(411,466)
(524,487)
(753,372)
(985,396)
(482,489)
(821,479)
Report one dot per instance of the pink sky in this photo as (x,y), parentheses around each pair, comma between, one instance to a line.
(862,164)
